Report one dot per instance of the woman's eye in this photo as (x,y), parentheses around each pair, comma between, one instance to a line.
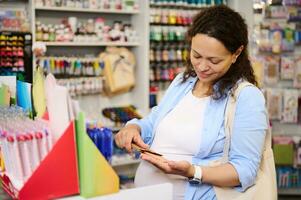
(214,62)
(196,56)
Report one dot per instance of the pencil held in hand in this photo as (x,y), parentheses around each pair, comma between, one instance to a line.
(143,150)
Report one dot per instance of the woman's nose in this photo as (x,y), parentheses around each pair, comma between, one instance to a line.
(202,65)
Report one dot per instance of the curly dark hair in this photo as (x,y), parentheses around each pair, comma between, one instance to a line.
(228,27)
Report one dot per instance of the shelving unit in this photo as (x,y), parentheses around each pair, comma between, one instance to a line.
(92,44)
(289,191)
(278,127)
(173,5)
(126,161)
(67,9)
(93,104)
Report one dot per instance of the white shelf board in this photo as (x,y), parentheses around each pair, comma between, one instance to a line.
(159,191)
(127,44)
(83,10)
(289,191)
(125,162)
(175,5)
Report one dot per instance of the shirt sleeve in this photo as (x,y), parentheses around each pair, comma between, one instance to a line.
(248,135)
(146,124)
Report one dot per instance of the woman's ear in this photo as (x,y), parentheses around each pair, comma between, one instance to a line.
(237,53)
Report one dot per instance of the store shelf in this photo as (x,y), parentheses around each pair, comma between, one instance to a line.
(165,24)
(126,44)
(279,20)
(85,10)
(289,191)
(159,191)
(178,5)
(123,162)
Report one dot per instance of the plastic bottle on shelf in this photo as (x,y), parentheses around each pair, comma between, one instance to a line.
(58,3)
(158,54)
(165,53)
(45,34)
(172,18)
(165,33)
(158,33)
(171,33)
(164,16)
(151,53)
(152,73)
(158,72)
(158,16)
(185,52)
(179,18)
(51,35)
(179,52)
(39,33)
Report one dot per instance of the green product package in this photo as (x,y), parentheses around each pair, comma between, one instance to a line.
(96,176)
(284,154)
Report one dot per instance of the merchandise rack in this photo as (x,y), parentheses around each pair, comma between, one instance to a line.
(138,96)
(67,9)
(278,127)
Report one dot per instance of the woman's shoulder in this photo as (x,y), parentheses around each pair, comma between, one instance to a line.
(251,94)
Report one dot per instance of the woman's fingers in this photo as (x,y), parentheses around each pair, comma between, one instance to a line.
(127,135)
(138,140)
(157,161)
(128,142)
(170,167)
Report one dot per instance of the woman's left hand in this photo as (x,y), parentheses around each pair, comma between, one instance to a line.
(182,168)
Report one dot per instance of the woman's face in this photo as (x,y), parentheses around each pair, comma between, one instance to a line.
(210,58)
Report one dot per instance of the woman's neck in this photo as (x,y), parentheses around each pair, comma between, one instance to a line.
(202,89)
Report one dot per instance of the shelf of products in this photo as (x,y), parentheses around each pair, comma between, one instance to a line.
(14,19)
(186,4)
(287,153)
(276,62)
(87,44)
(169,21)
(87,10)
(105,6)
(16,55)
(81,24)
(73,32)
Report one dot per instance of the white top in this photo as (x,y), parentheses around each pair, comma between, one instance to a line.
(177,137)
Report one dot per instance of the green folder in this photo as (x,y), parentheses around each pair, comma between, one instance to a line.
(96,176)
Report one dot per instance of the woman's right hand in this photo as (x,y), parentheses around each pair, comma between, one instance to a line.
(128,135)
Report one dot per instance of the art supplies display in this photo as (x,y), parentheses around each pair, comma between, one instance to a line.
(287,152)
(71,66)
(120,5)
(168,51)
(16,55)
(14,19)
(282,101)
(103,139)
(188,3)
(81,76)
(92,30)
(276,58)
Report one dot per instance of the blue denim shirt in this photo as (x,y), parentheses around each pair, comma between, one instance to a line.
(246,141)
